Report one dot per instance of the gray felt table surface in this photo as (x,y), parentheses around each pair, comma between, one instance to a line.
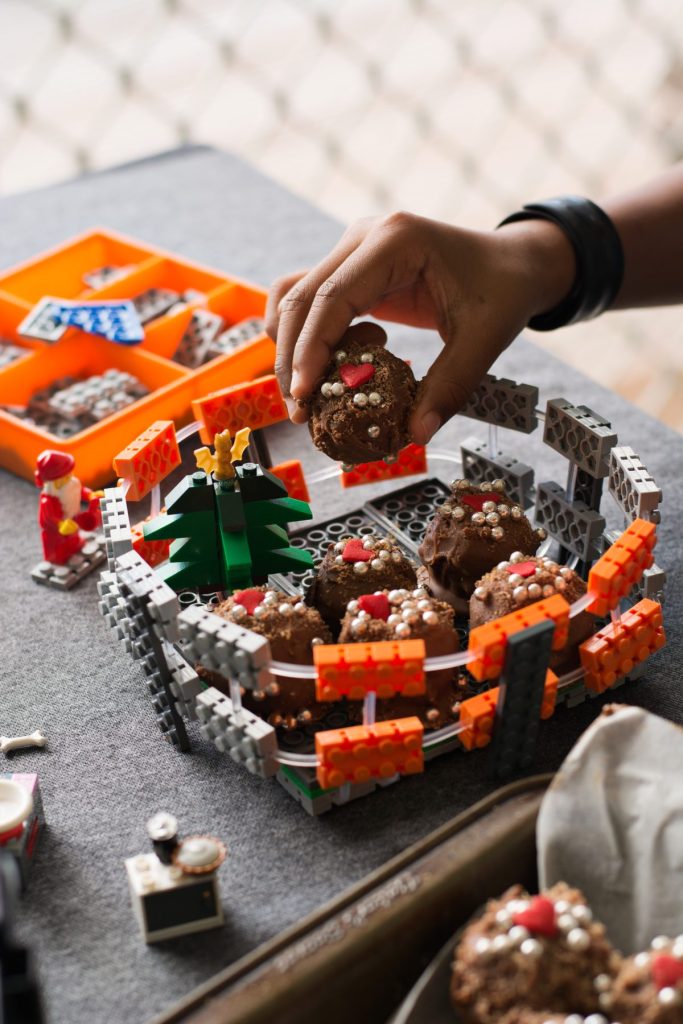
(106,769)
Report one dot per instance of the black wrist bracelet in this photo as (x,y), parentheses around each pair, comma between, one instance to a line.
(599,258)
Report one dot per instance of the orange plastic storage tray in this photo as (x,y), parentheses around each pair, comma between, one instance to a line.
(60,273)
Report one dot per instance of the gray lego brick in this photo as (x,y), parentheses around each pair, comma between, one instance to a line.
(154,302)
(479,467)
(577,528)
(581,435)
(631,486)
(196,343)
(241,734)
(225,647)
(100,276)
(652,584)
(115,524)
(504,403)
(236,336)
(64,577)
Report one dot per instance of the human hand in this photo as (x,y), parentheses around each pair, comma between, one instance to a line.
(67,526)
(477,289)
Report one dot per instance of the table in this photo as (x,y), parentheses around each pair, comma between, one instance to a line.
(106,769)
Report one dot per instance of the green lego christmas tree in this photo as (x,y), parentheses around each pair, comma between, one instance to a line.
(227,522)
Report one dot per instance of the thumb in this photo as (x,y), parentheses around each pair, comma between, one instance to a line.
(450,381)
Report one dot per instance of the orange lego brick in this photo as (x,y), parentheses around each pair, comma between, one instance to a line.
(411,460)
(621,567)
(148,459)
(366,752)
(292,475)
(386,668)
(549,694)
(255,404)
(478,714)
(154,552)
(487,643)
(617,648)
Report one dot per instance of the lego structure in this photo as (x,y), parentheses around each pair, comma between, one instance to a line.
(228,527)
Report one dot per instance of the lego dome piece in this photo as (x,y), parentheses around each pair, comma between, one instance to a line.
(542,953)
(354,566)
(199,855)
(16,805)
(53,465)
(361,409)
(477,527)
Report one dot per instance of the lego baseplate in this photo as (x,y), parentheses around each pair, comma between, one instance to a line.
(92,555)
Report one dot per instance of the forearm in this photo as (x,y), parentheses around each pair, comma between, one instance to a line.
(649,220)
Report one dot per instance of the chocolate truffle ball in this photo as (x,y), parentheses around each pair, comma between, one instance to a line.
(520,580)
(409,615)
(354,566)
(361,408)
(649,987)
(292,629)
(475,528)
(542,952)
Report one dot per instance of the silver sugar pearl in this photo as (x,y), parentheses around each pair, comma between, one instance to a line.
(458,512)
(359,626)
(341,356)
(373,431)
(360,567)
(339,546)
(594,1018)
(497,532)
(548,590)
(420,592)
(385,555)
(566,922)
(326,389)
(517,556)
(394,619)
(502,565)
(641,959)
(669,996)
(518,934)
(260,610)
(352,606)
(480,593)
(402,630)
(531,948)
(660,942)
(560,584)
(360,399)
(397,595)
(300,608)
(677,950)
(316,641)
(482,947)
(369,543)
(367,357)
(515,579)
(562,906)
(238,612)
(488,506)
(501,944)
(498,485)
(519,594)
(270,598)
(478,518)
(411,617)
(578,939)
(338,388)
(540,533)
(430,618)
(516,512)
(486,487)
(492,518)
(535,591)
(602,982)
(376,563)
(374,398)
(338,560)
(503,511)
(566,572)
(582,913)
(503,918)
(396,556)
(285,609)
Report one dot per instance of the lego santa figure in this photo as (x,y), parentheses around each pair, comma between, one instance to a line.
(60,514)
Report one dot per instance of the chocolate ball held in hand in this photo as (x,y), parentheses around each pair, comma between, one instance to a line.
(476,528)
(361,409)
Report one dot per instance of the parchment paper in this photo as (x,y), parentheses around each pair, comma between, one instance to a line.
(611,824)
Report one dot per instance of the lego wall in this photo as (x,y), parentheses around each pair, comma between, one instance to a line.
(106,769)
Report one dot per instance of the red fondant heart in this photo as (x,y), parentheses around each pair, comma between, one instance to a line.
(522,568)
(474,501)
(539,917)
(667,971)
(355,552)
(354,376)
(249,599)
(376,605)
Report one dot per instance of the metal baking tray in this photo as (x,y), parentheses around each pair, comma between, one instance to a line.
(358,956)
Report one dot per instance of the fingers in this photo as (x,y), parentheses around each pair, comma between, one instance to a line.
(451,379)
(375,267)
(291,300)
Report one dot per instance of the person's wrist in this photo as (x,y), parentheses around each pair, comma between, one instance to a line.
(544,257)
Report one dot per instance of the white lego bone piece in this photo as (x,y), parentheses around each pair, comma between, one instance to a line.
(9,743)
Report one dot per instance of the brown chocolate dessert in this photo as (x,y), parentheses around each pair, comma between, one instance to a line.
(360,410)
(519,581)
(409,615)
(649,987)
(539,952)
(475,528)
(354,566)
(292,628)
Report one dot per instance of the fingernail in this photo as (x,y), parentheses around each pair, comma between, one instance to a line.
(431,422)
(296,383)
(291,407)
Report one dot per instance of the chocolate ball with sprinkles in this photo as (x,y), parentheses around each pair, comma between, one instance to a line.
(521,580)
(477,527)
(649,987)
(543,953)
(354,566)
(361,409)
(293,629)
(403,614)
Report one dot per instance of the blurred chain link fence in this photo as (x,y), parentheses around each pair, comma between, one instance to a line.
(458,109)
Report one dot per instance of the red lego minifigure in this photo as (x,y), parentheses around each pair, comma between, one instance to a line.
(60,516)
